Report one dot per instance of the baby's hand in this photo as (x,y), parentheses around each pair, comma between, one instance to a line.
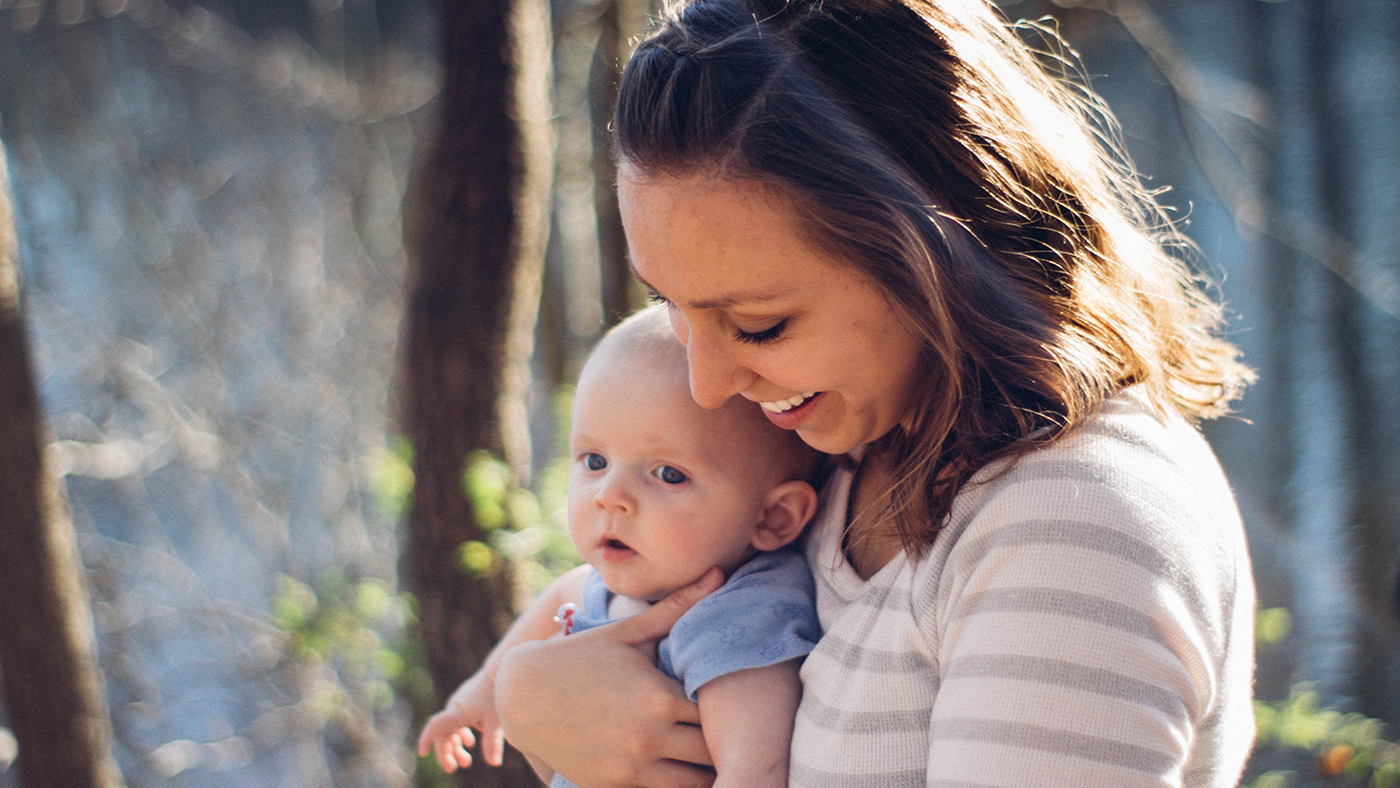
(449,732)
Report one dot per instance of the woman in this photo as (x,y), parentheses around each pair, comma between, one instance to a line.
(885,223)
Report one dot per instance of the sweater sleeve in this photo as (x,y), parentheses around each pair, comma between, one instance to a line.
(1082,625)
(1084,618)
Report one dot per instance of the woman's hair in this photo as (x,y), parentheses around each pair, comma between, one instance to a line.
(926,144)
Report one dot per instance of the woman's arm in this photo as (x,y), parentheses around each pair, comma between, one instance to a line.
(747,717)
(594,706)
(1100,631)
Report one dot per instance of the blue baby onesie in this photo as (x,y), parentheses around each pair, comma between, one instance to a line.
(763,614)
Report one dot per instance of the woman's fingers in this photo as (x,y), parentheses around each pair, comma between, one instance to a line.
(685,743)
(656,621)
(675,774)
(594,706)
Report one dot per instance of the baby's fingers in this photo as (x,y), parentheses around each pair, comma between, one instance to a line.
(493,745)
(454,751)
(430,735)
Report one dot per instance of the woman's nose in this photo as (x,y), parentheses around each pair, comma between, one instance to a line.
(715,373)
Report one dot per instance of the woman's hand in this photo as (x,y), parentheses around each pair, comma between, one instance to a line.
(594,706)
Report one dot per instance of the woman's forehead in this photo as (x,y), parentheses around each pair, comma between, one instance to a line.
(705,244)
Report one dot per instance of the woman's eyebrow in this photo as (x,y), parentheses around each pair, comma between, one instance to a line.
(723,302)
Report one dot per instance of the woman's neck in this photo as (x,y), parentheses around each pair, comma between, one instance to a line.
(869,543)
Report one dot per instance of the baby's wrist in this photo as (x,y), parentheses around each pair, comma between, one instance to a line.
(474,687)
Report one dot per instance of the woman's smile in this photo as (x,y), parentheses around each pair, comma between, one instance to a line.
(783,406)
(791,413)
(765,315)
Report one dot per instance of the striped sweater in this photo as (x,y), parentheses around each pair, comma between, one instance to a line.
(1084,619)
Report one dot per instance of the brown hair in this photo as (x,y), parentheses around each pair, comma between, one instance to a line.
(926,144)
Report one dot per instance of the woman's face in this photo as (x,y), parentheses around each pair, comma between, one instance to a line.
(763,314)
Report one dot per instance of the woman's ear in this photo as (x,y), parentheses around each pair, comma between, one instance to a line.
(787,509)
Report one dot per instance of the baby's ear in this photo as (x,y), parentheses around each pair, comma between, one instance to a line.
(788,508)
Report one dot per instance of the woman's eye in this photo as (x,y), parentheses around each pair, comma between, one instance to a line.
(595,462)
(759,337)
(670,475)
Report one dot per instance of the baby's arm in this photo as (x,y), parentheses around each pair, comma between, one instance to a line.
(449,732)
(747,717)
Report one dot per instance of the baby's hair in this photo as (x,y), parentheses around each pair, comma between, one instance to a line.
(645,342)
(642,335)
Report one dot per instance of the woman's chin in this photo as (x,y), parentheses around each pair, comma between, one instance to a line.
(837,439)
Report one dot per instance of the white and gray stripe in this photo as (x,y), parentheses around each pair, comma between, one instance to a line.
(1084,618)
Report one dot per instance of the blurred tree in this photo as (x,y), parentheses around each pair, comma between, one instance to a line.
(48,659)
(1370,505)
(476,223)
(619,24)
(1292,137)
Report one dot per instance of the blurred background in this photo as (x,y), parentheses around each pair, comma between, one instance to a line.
(305,282)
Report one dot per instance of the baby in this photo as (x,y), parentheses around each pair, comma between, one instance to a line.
(660,491)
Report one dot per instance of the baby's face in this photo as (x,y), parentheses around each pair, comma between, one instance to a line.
(660,489)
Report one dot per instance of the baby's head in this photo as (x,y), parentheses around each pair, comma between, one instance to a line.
(661,489)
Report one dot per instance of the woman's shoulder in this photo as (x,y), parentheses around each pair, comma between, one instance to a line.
(1128,453)
(1117,553)
(1131,486)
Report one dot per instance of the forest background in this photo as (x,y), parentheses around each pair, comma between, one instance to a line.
(302,285)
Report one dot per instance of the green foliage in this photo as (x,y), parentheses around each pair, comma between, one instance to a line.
(539,546)
(1344,749)
(349,644)
(1271,626)
(1348,747)
(351,628)
(478,559)
(391,479)
(526,527)
(486,481)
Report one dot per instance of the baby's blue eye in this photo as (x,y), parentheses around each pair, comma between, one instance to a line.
(595,462)
(670,475)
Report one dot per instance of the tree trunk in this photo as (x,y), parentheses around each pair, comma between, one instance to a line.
(619,23)
(48,654)
(477,224)
(1369,522)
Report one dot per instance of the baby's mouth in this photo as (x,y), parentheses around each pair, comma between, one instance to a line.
(613,549)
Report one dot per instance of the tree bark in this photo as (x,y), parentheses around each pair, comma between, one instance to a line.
(48,654)
(476,225)
(619,23)
(1370,519)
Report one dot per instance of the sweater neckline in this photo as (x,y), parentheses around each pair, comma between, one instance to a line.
(826,554)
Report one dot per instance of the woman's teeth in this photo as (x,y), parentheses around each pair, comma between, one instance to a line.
(784,405)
